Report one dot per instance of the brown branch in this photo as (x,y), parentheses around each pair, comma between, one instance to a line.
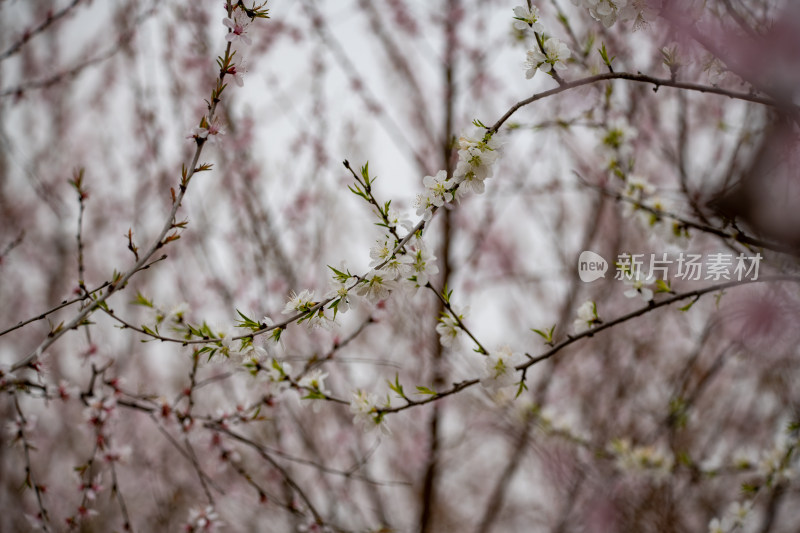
(641,78)
(653,305)
(67,303)
(50,18)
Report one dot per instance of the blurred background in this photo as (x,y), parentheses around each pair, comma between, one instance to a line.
(659,423)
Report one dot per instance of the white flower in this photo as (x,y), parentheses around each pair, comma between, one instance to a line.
(476,160)
(424,204)
(64,391)
(365,413)
(238,27)
(738,513)
(16,429)
(744,459)
(338,291)
(553,58)
(117,453)
(381,252)
(476,157)
(638,286)
(604,11)
(618,134)
(527,18)
(376,286)
(277,372)
(636,190)
(362,405)
(254,358)
(448,328)
(715,526)
(398,268)
(587,317)
(635,187)
(439,188)
(716,70)
(299,303)
(209,132)
(315,381)
(229,346)
(664,227)
(422,264)
(478,140)
(437,193)
(500,369)
(396,219)
(470,184)
(175,316)
(237,71)
(641,12)
(478,153)
(773,464)
(205,519)
(638,460)
(91,489)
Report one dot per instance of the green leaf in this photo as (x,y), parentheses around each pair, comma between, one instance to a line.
(604,55)
(339,275)
(521,386)
(446,294)
(150,331)
(689,305)
(749,488)
(547,334)
(684,458)
(663,286)
(718,297)
(247,322)
(425,390)
(396,386)
(365,174)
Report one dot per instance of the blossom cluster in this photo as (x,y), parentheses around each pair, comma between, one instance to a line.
(549,54)
(607,12)
(670,230)
(641,460)
(477,154)
(639,195)
(734,519)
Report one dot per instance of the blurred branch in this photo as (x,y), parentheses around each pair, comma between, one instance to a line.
(738,236)
(643,78)
(27,35)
